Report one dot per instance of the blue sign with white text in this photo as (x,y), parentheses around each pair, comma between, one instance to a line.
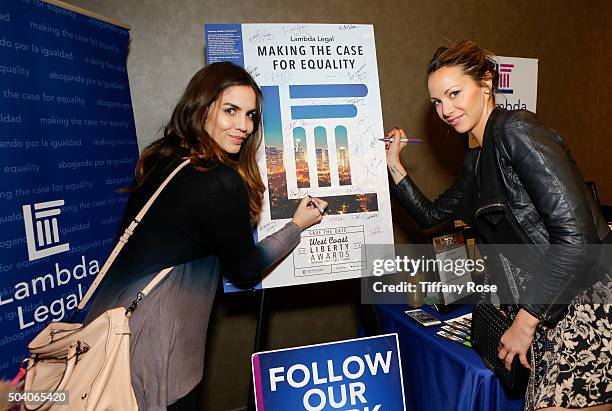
(355,375)
(67,145)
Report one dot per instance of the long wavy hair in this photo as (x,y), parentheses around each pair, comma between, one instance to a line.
(186,130)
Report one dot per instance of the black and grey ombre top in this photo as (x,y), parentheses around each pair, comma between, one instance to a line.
(199,220)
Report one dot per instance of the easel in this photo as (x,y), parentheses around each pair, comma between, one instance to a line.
(261,337)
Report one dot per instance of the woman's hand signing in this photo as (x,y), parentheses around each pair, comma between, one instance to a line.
(309,212)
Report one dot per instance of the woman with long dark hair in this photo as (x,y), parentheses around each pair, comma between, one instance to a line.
(521,180)
(201,220)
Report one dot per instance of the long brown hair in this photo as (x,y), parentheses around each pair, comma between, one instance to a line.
(475,61)
(186,129)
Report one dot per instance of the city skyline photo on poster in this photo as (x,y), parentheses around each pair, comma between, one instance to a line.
(322,122)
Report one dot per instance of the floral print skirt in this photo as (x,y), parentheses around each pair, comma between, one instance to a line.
(573,360)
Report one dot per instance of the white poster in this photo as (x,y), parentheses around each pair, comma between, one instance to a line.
(322,123)
(518,83)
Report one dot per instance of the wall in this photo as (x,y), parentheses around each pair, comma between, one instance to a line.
(570,38)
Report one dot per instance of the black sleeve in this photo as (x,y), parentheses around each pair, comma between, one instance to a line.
(556,188)
(231,234)
(454,202)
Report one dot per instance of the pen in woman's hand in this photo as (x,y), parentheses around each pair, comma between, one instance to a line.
(403,140)
(317,205)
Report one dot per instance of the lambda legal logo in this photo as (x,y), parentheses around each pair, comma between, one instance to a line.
(311,127)
(312,114)
(42,232)
(504,71)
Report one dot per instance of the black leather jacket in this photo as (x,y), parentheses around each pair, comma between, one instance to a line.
(544,190)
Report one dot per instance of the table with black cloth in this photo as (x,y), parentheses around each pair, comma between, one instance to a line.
(440,375)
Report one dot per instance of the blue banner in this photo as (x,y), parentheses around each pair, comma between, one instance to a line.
(355,375)
(67,144)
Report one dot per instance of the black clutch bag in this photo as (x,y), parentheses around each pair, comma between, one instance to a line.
(488,326)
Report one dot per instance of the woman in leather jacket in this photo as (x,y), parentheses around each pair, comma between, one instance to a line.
(523,175)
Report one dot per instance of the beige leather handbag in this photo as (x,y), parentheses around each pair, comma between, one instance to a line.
(90,364)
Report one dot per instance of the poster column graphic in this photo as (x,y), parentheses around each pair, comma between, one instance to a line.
(321,124)
(67,144)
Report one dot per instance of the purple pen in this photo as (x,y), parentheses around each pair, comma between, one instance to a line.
(403,140)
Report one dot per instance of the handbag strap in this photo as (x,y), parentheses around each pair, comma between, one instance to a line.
(125,238)
(160,276)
